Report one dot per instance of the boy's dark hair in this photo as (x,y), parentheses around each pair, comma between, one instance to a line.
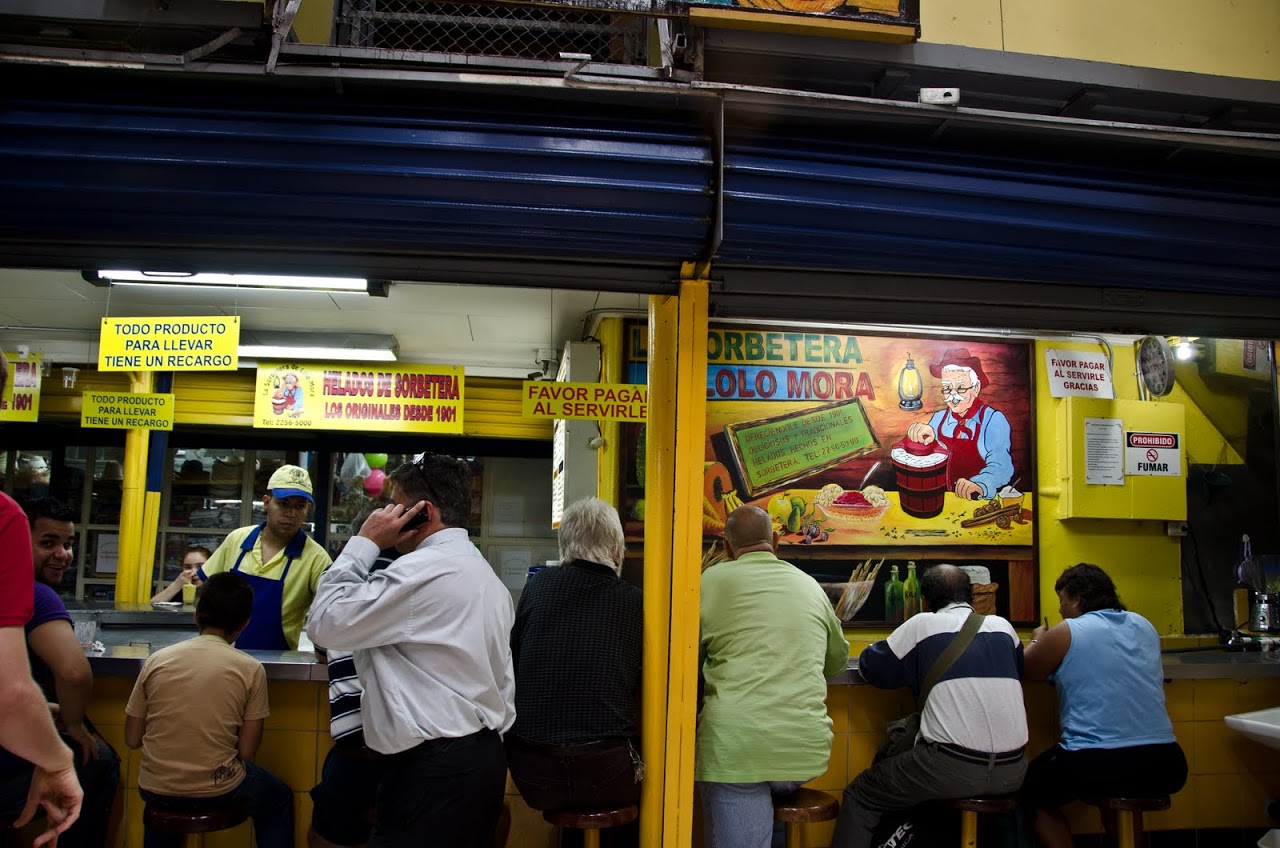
(442,480)
(51,508)
(226,601)
(1089,585)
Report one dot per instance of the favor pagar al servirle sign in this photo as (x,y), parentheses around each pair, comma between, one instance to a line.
(169,344)
(594,401)
(318,396)
(20,400)
(126,410)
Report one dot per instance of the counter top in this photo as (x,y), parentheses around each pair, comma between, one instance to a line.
(1201,665)
(130,635)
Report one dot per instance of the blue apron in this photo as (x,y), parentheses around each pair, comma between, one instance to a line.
(266,627)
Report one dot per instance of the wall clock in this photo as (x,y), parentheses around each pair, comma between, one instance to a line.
(1155,365)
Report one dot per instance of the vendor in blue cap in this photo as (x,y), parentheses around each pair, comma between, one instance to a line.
(280,561)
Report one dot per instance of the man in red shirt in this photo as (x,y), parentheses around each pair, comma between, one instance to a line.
(26,727)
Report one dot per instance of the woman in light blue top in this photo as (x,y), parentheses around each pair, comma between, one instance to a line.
(1117,739)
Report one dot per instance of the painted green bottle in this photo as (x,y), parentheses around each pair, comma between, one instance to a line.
(911,592)
(893,602)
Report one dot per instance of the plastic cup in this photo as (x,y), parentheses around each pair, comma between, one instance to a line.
(86,631)
(188,593)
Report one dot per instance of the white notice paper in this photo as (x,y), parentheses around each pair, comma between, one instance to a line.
(108,555)
(1104,452)
(1078,373)
(513,568)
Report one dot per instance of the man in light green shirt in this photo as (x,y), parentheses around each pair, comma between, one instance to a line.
(770,640)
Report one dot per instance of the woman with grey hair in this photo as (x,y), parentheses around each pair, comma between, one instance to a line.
(576,651)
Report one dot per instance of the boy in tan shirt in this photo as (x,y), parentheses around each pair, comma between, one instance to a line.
(197,712)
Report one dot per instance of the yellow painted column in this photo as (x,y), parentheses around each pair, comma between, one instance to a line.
(133,575)
(673,537)
(609,457)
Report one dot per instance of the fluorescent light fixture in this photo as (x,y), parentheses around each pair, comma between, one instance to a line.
(226,281)
(307,346)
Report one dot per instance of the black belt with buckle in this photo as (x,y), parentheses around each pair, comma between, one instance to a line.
(980,757)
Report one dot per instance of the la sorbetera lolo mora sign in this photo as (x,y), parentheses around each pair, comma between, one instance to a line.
(594,401)
(20,400)
(126,410)
(405,399)
(169,344)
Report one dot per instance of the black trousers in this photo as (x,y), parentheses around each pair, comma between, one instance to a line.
(446,793)
(591,776)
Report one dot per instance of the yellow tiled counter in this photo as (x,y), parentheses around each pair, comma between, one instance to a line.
(293,747)
(1231,777)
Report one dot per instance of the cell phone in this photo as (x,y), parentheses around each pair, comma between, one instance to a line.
(417,521)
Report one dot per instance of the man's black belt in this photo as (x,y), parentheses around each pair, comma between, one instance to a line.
(980,757)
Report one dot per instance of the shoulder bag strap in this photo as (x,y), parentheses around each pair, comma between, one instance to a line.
(947,658)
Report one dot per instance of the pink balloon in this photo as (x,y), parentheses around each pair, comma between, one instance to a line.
(374,482)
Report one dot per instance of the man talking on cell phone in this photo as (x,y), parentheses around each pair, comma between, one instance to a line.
(431,638)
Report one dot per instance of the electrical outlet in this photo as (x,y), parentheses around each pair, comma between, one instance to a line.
(940,96)
(1175,528)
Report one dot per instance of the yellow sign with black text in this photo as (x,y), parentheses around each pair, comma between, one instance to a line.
(594,401)
(320,396)
(169,344)
(126,410)
(20,400)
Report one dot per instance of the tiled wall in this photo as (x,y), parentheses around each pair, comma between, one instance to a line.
(293,747)
(1231,777)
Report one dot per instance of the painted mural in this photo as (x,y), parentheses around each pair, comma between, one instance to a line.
(876,457)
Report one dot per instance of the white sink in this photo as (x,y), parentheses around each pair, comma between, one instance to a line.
(1261,726)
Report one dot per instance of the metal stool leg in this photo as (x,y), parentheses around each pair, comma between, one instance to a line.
(1129,829)
(591,838)
(194,840)
(968,829)
(794,830)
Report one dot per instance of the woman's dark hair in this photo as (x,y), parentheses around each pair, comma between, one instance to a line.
(1089,585)
(197,549)
(442,480)
(226,601)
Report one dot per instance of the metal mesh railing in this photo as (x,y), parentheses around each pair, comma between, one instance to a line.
(492,29)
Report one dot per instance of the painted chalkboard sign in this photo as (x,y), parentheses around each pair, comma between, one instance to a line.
(772,453)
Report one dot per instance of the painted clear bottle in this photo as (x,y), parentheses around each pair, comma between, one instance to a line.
(893,599)
(911,592)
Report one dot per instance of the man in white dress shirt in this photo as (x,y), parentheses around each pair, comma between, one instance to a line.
(431,638)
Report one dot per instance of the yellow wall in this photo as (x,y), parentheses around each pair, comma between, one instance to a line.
(1139,556)
(1235,38)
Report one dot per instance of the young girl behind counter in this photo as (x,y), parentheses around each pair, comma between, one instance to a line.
(196,556)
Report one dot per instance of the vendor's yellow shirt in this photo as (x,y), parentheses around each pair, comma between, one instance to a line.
(299,586)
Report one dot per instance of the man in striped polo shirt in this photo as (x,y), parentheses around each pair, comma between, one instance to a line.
(343,800)
(973,729)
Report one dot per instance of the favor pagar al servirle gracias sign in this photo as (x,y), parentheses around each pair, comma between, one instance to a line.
(323,396)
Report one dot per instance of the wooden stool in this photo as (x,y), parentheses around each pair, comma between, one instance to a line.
(1129,831)
(805,806)
(195,824)
(970,808)
(591,822)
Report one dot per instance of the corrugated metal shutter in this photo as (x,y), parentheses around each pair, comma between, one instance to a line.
(237,169)
(809,201)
